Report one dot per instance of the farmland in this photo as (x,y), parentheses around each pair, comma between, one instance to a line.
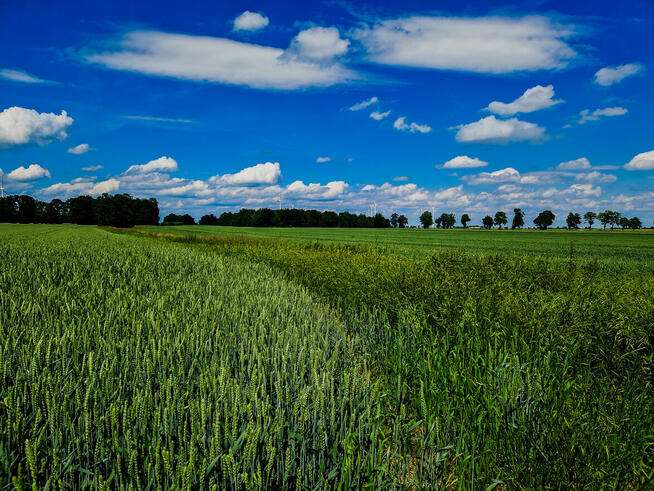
(202,357)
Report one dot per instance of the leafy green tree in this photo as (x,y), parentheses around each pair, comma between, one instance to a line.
(465,218)
(635,223)
(488,222)
(447,220)
(605,218)
(55,211)
(402,221)
(380,221)
(624,222)
(544,219)
(500,219)
(426,219)
(573,220)
(518,218)
(394,218)
(589,218)
(615,219)
(209,220)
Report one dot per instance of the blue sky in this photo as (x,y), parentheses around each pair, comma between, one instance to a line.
(332,105)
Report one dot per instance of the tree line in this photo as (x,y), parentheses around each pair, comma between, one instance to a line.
(118,210)
(295,217)
(544,220)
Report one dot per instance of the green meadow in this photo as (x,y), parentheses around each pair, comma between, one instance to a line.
(234,358)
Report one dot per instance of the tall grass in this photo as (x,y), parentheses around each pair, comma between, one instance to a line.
(127,364)
(494,367)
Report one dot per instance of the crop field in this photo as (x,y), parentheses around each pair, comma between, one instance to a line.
(223,358)
(617,247)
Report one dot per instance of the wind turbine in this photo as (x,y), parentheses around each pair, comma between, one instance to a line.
(279,198)
(2,185)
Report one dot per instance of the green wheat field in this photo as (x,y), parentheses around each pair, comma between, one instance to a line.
(234,358)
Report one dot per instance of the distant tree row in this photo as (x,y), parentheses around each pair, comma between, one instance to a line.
(118,210)
(544,220)
(292,217)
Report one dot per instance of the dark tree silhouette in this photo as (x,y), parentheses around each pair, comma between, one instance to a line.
(500,219)
(544,219)
(573,220)
(487,221)
(402,221)
(426,219)
(518,218)
(465,218)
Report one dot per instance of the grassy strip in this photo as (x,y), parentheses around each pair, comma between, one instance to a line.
(533,371)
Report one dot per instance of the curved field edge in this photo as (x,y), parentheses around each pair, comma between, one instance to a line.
(134,364)
(532,371)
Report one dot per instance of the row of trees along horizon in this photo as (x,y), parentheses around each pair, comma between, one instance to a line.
(123,210)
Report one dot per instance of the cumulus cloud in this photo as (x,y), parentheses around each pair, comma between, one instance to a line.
(83,186)
(250,21)
(80,149)
(533,99)
(587,115)
(218,60)
(30,173)
(19,126)
(316,191)
(493,130)
(318,43)
(464,162)
(267,173)
(476,44)
(401,125)
(162,164)
(92,168)
(363,104)
(613,74)
(379,116)
(642,161)
(503,175)
(320,160)
(596,177)
(20,76)
(577,164)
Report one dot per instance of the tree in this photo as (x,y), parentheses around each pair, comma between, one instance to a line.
(394,218)
(589,218)
(518,218)
(635,223)
(573,220)
(447,220)
(500,219)
(380,221)
(426,219)
(615,219)
(465,218)
(81,210)
(402,221)
(624,222)
(604,217)
(209,220)
(488,222)
(544,219)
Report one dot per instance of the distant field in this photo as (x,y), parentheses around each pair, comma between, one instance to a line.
(631,249)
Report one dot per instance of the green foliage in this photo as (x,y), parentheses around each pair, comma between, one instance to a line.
(426,219)
(544,219)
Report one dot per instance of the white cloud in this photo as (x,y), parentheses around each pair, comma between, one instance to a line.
(165,164)
(20,76)
(503,175)
(316,191)
(533,99)
(320,160)
(587,115)
(596,177)
(30,173)
(493,130)
(642,161)
(477,44)
(379,116)
(268,173)
(401,125)
(363,104)
(577,164)
(92,168)
(219,60)
(80,149)
(611,75)
(19,126)
(464,162)
(83,186)
(250,21)
(318,43)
